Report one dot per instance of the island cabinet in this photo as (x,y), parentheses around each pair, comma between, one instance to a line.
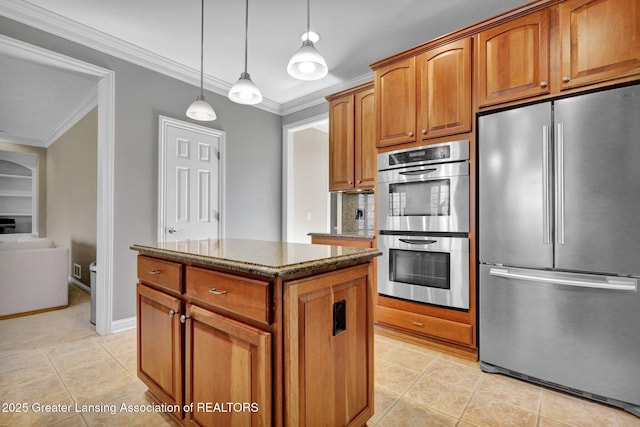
(352,150)
(424,96)
(230,335)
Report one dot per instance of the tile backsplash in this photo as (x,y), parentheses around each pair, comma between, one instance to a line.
(358,212)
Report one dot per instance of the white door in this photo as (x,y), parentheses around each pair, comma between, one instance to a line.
(189,181)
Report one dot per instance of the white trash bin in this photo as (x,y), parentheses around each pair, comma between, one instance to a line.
(93,269)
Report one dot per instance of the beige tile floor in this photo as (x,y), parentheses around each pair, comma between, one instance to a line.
(57,359)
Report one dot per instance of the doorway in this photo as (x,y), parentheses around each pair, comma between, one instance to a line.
(306,197)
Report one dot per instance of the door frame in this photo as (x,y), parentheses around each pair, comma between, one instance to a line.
(288,140)
(105,165)
(163,123)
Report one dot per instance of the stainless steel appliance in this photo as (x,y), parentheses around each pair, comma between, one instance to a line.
(559,244)
(424,189)
(423,220)
(423,268)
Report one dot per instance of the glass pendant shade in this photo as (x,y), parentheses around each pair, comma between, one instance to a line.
(307,63)
(201,110)
(244,91)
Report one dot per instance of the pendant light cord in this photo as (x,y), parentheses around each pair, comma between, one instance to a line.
(308,18)
(246,35)
(202,50)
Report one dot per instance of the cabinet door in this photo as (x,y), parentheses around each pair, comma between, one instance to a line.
(160,343)
(600,40)
(444,90)
(365,139)
(513,60)
(341,144)
(228,371)
(329,326)
(395,104)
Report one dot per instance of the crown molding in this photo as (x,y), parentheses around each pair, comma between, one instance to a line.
(317,98)
(58,25)
(83,108)
(61,26)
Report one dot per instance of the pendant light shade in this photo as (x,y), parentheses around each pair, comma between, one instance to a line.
(200,109)
(307,63)
(244,91)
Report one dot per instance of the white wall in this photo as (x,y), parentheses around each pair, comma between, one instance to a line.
(310,185)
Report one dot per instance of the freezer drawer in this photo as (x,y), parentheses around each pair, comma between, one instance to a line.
(572,333)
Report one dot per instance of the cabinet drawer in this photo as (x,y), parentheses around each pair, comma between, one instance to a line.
(166,274)
(240,295)
(438,328)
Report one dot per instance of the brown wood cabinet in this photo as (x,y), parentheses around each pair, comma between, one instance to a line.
(250,349)
(226,362)
(444,90)
(328,327)
(599,41)
(513,60)
(352,152)
(395,87)
(424,96)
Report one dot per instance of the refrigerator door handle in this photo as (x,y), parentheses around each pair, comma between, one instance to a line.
(560,185)
(611,283)
(546,202)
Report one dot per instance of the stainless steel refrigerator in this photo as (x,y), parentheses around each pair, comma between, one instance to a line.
(559,244)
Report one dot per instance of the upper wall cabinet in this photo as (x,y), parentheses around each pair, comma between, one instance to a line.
(396,103)
(425,96)
(599,41)
(352,130)
(513,60)
(444,90)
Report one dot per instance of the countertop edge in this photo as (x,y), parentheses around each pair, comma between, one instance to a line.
(344,236)
(258,269)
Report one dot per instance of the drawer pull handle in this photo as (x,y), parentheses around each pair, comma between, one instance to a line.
(417,323)
(153,272)
(215,292)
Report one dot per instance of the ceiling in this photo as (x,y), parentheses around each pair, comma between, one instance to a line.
(165,35)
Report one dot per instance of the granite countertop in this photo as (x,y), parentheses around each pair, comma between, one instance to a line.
(272,259)
(362,234)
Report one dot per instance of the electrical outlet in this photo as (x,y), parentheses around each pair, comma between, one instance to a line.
(77,271)
(359,214)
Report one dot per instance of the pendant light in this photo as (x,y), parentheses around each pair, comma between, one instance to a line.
(244,91)
(200,108)
(307,63)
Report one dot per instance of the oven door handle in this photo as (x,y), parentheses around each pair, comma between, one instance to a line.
(418,242)
(420,172)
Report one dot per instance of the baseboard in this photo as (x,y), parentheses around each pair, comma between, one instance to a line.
(123,324)
(79,284)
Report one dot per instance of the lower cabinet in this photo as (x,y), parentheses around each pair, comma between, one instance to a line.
(328,327)
(217,362)
(160,343)
(227,371)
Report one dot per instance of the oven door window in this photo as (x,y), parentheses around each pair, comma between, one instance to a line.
(420,198)
(429,269)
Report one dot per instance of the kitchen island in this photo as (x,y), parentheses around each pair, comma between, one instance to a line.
(244,332)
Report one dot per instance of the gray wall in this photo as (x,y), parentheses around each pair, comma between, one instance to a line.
(253,156)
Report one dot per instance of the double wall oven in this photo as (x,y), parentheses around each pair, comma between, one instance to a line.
(423,221)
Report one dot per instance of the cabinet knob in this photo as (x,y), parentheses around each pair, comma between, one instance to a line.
(172,313)
(359,181)
(410,133)
(424,131)
(565,79)
(183,318)
(544,83)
